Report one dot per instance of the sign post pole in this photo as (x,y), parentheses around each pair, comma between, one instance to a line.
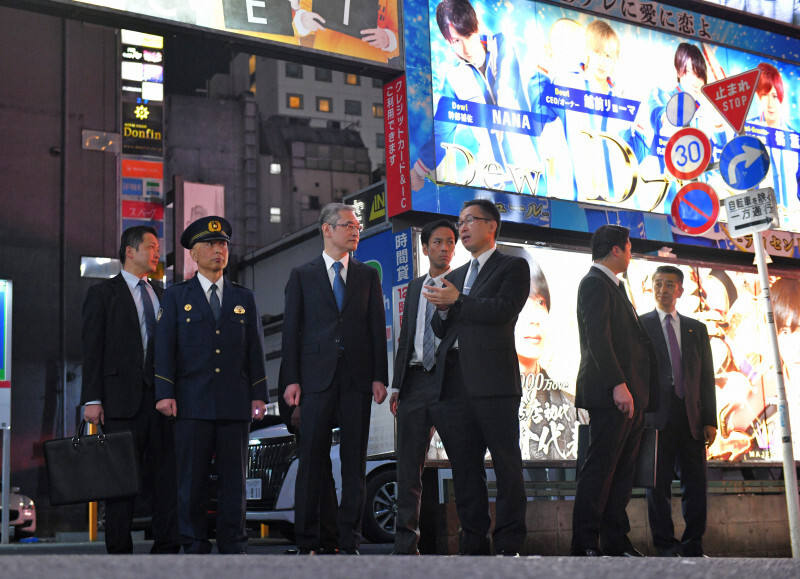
(6,482)
(789,468)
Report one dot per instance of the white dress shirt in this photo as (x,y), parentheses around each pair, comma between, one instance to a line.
(329,261)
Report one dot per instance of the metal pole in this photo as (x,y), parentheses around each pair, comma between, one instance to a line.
(4,528)
(93,505)
(789,468)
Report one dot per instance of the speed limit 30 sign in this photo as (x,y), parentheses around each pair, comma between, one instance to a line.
(688,153)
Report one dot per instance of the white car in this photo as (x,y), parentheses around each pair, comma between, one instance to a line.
(271,475)
(21,514)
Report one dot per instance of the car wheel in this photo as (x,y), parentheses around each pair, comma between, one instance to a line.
(380,514)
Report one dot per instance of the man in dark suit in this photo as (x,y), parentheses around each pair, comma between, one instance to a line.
(415,392)
(335,364)
(211,376)
(478,370)
(614,385)
(328,501)
(118,336)
(686,419)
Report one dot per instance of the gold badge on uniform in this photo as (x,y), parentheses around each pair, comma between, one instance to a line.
(158,317)
(238,310)
(188,307)
(214,225)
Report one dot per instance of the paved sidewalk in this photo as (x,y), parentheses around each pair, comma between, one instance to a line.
(52,560)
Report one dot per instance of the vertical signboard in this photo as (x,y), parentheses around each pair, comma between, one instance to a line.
(142,92)
(390,253)
(398,191)
(5,353)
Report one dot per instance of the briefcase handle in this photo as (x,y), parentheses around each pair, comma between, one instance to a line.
(82,428)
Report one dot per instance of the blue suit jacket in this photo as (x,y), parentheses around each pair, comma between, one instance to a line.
(214,371)
(314,331)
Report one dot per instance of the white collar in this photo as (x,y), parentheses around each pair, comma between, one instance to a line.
(329,261)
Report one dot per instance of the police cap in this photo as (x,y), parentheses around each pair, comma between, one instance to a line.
(211,228)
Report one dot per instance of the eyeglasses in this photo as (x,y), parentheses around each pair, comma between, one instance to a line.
(351,227)
(469,220)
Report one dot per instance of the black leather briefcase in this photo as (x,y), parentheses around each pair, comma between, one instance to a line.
(645,475)
(86,468)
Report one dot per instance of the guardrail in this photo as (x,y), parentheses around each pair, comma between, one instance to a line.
(550,489)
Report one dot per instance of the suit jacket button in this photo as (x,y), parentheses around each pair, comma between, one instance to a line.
(216,370)
(188,320)
(217,350)
(218,332)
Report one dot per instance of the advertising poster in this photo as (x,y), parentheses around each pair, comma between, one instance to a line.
(725,301)
(539,99)
(389,253)
(362,29)
(199,200)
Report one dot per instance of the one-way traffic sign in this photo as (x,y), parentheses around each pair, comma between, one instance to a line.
(751,211)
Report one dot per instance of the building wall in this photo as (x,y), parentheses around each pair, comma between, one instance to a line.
(45,379)
(273,86)
(205,144)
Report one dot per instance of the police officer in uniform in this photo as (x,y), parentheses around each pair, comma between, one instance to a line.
(211,377)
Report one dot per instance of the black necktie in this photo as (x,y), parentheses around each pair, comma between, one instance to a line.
(216,308)
(621,288)
(150,331)
(149,314)
(428,340)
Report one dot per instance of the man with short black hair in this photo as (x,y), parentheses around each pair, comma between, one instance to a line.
(686,419)
(415,391)
(614,385)
(118,334)
(478,369)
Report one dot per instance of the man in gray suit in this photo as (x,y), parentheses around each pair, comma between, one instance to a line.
(415,391)
(686,419)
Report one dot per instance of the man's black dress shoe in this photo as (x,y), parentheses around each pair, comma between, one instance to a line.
(349,551)
(506,553)
(629,552)
(585,552)
(327,551)
(301,551)
(402,553)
